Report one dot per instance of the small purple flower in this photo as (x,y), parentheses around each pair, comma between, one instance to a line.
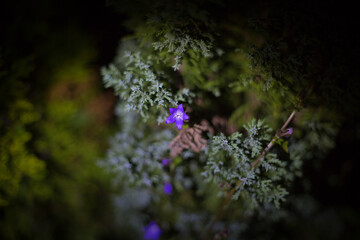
(288,132)
(152,231)
(165,161)
(168,188)
(178,116)
(285,132)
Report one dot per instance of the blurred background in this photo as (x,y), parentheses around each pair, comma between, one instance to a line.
(56,118)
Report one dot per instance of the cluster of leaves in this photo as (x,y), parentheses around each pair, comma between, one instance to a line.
(135,157)
(254,68)
(314,143)
(178,40)
(231,159)
(257,68)
(142,87)
(175,30)
(293,62)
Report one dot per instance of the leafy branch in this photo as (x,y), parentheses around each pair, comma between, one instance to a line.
(254,164)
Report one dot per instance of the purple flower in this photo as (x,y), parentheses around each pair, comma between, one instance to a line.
(285,132)
(165,161)
(152,231)
(289,131)
(168,188)
(178,116)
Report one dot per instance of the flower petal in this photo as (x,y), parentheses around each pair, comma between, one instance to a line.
(180,107)
(172,110)
(165,161)
(185,116)
(152,231)
(170,119)
(168,188)
(179,124)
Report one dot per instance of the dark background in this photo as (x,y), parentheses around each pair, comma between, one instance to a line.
(38,38)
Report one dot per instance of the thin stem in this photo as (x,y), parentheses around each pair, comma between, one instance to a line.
(253,165)
(292,115)
(219,213)
(269,146)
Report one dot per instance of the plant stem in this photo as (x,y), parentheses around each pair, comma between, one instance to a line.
(269,146)
(292,115)
(253,165)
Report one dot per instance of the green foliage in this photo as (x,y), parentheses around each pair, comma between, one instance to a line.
(175,30)
(50,137)
(134,160)
(141,87)
(316,137)
(135,157)
(230,159)
(243,61)
(178,46)
(73,178)
(233,61)
(17,162)
(300,62)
